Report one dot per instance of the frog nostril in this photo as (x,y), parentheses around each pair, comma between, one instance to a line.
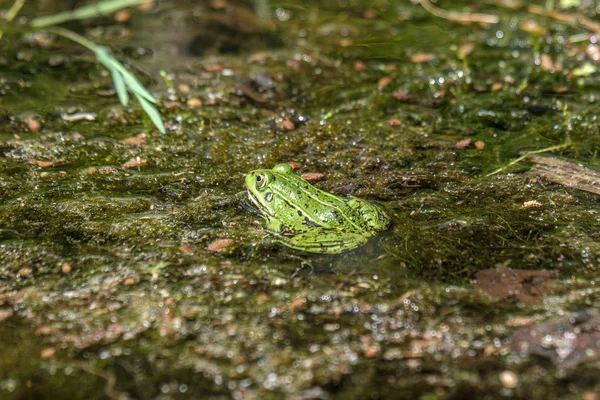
(269,197)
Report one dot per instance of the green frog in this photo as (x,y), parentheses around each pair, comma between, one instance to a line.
(308,219)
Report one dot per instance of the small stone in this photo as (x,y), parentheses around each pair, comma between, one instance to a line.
(183,87)
(130,281)
(509,379)
(65,268)
(25,272)
(480,145)
(394,122)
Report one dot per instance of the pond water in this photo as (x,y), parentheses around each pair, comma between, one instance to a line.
(130,269)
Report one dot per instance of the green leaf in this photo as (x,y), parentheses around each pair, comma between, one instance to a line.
(120,87)
(152,113)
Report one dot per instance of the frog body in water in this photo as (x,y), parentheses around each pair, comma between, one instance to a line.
(308,219)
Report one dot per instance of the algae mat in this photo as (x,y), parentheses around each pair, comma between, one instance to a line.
(130,269)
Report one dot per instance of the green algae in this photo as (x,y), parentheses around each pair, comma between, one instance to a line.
(108,286)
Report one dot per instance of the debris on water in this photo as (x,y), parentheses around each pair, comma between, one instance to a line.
(527,286)
(85,116)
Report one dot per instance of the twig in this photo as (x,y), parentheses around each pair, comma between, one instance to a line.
(563,17)
(457,16)
(566,173)
(547,149)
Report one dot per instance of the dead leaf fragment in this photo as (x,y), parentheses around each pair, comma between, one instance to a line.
(186,249)
(48,352)
(44,164)
(194,102)
(421,58)
(394,122)
(463,144)
(220,244)
(138,140)
(532,204)
(360,66)
(384,81)
(133,163)
(480,145)
(313,176)
(33,124)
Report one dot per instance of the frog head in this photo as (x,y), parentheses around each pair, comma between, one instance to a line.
(263,187)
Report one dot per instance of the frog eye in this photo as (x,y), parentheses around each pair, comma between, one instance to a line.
(260,181)
(269,197)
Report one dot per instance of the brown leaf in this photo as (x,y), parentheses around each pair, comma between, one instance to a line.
(134,162)
(421,58)
(44,164)
(220,244)
(135,141)
(463,144)
(384,81)
(313,176)
(33,124)
(186,249)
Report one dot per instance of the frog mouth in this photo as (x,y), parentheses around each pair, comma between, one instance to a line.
(259,207)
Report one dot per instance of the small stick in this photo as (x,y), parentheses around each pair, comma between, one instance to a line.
(457,16)
(547,149)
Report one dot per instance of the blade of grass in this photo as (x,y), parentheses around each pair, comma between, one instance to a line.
(123,79)
(89,11)
(152,112)
(104,57)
